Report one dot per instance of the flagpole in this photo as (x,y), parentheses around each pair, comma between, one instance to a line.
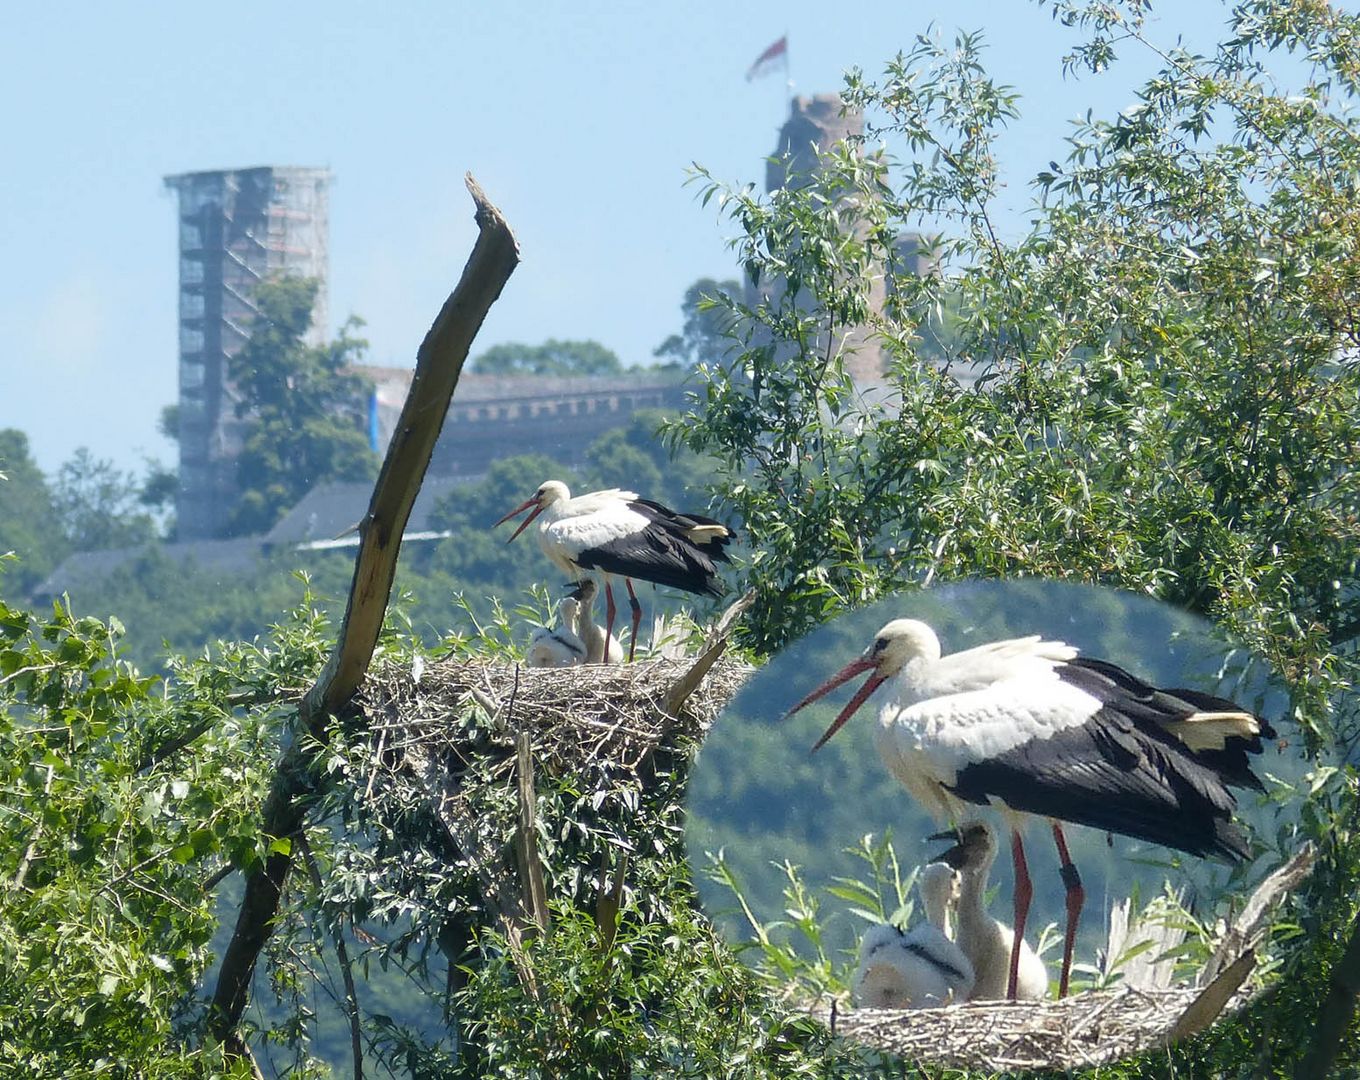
(788,75)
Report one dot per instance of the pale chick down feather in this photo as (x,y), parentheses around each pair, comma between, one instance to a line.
(984,940)
(592,633)
(919,968)
(560,647)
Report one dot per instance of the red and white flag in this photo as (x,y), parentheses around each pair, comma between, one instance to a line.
(778,53)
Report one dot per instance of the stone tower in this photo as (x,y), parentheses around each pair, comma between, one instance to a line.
(815,125)
(236,227)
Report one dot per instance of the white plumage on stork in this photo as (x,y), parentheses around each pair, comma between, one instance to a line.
(1037,728)
(616,532)
(917,968)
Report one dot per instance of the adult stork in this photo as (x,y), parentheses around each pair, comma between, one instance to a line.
(987,941)
(916,968)
(616,532)
(1041,730)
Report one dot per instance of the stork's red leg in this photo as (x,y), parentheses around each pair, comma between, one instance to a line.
(608,615)
(1024,890)
(1076,897)
(637,617)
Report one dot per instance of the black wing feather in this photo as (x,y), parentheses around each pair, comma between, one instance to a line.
(659,556)
(679,524)
(1112,774)
(1143,703)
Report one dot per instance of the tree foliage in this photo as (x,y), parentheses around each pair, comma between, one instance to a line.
(1156,387)
(553,357)
(305,411)
(705,337)
(1167,397)
(28,520)
(122,797)
(99,506)
(1166,401)
(89,505)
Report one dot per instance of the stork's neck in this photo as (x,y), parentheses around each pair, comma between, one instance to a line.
(554,511)
(972,911)
(936,905)
(913,680)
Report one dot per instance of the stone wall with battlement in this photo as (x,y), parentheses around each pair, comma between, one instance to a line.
(495,416)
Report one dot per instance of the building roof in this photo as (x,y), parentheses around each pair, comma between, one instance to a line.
(478,387)
(87,567)
(329,510)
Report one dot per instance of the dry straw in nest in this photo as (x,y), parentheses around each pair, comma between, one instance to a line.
(586,719)
(994,1036)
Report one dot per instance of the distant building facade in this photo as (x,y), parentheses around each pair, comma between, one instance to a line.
(496,416)
(236,227)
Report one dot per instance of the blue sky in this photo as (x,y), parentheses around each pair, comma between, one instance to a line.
(579,121)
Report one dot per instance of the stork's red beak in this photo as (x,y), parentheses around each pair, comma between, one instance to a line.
(538,509)
(845,674)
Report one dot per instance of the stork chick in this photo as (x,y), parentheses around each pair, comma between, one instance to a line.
(601,648)
(987,942)
(919,968)
(562,647)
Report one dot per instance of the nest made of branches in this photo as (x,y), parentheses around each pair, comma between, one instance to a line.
(584,719)
(995,1036)
(1090,1027)
(473,740)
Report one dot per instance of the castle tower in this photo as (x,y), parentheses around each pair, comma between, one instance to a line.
(236,227)
(815,125)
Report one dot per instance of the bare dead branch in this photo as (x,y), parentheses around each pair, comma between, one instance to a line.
(526,838)
(713,648)
(1247,928)
(439,363)
(1212,1000)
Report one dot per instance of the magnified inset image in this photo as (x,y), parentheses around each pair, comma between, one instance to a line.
(957,802)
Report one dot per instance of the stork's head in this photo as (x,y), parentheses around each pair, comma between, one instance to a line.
(583,592)
(893,647)
(549,492)
(939,885)
(974,846)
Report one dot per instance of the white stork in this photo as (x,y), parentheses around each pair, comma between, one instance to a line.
(616,532)
(987,942)
(1043,731)
(918,968)
(599,648)
(564,646)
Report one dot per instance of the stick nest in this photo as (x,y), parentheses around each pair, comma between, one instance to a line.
(996,1036)
(588,719)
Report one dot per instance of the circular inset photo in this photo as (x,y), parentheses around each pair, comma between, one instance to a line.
(1042,802)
